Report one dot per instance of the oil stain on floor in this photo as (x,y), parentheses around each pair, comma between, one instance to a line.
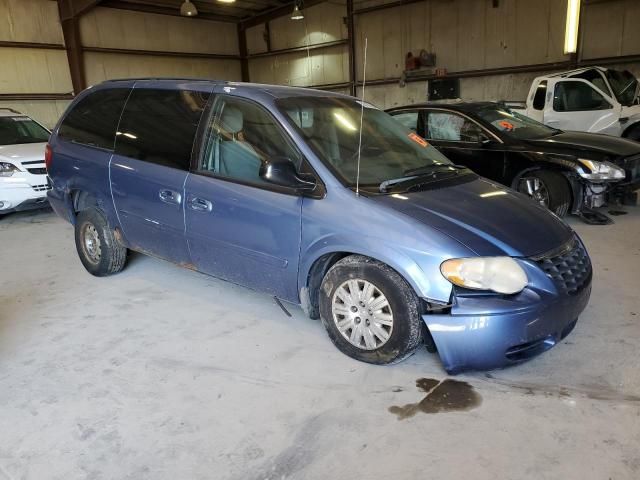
(441,396)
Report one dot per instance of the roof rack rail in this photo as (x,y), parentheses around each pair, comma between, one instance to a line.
(135,79)
(10,110)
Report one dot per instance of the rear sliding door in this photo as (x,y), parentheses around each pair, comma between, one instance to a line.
(150,165)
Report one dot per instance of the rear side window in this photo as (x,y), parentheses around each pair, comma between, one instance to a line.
(93,120)
(159,126)
(539,97)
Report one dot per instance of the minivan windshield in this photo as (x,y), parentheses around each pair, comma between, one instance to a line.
(331,127)
(624,86)
(16,130)
(514,124)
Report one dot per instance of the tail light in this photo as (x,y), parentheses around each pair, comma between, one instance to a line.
(48,156)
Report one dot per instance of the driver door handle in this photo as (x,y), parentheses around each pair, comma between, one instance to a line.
(200,204)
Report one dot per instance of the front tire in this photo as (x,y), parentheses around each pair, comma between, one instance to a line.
(550,189)
(97,247)
(369,311)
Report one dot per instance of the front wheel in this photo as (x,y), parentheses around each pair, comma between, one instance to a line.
(369,311)
(549,189)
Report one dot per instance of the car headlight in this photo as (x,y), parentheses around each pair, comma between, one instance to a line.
(7,169)
(499,274)
(600,170)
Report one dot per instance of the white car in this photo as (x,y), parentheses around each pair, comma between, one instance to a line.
(23,176)
(593,99)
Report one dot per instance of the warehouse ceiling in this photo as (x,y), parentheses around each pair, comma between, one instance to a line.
(207,9)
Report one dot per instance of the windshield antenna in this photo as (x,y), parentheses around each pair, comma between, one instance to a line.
(364,81)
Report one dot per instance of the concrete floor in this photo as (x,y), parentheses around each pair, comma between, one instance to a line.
(164,373)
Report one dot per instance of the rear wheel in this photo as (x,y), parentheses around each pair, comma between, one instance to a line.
(370,312)
(97,247)
(549,189)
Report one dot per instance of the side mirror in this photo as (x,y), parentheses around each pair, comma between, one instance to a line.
(281,171)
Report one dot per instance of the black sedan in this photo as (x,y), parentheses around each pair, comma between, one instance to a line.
(568,172)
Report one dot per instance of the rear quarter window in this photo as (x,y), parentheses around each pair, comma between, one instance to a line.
(159,126)
(93,120)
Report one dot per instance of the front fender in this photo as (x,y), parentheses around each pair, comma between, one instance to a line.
(419,269)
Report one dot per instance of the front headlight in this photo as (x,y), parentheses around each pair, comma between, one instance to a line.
(7,169)
(600,170)
(499,274)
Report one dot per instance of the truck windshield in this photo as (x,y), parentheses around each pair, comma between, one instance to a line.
(624,86)
(514,124)
(15,130)
(331,127)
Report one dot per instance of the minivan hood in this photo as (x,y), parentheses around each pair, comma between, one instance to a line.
(487,218)
(592,144)
(23,152)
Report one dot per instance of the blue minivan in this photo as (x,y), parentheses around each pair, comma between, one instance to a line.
(322,200)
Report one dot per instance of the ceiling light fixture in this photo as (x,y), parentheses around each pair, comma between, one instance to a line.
(188,9)
(297,13)
(227,1)
(571,30)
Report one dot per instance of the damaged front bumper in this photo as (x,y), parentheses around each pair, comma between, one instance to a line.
(483,332)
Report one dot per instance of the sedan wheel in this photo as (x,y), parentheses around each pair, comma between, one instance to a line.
(548,188)
(535,189)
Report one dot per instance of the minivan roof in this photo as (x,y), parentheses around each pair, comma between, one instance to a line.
(277,91)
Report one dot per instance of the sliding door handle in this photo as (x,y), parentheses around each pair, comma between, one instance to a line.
(200,204)
(169,196)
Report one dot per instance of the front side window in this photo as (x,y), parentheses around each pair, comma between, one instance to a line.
(408,119)
(331,128)
(242,137)
(571,96)
(21,129)
(93,120)
(452,127)
(513,124)
(159,126)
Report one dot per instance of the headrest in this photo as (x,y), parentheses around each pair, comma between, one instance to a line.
(231,121)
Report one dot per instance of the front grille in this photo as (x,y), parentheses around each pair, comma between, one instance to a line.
(37,171)
(41,188)
(569,267)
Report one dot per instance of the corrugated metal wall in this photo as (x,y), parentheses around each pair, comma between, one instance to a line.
(33,70)
(121,29)
(46,70)
(465,35)
(322,24)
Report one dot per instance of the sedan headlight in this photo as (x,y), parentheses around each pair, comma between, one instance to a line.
(600,170)
(7,169)
(499,274)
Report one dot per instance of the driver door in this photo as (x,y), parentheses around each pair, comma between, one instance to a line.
(460,139)
(576,104)
(238,226)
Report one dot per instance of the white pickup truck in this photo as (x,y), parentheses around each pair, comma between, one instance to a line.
(593,99)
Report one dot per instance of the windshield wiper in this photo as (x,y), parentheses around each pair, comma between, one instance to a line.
(387,183)
(433,167)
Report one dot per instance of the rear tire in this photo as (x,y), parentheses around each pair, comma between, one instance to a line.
(97,247)
(379,317)
(550,189)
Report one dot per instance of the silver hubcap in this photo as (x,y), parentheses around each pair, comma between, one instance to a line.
(536,189)
(362,314)
(91,242)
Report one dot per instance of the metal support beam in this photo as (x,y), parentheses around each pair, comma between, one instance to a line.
(315,46)
(161,53)
(74,8)
(242,46)
(40,46)
(267,35)
(71,33)
(14,97)
(351,38)
(175,12)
